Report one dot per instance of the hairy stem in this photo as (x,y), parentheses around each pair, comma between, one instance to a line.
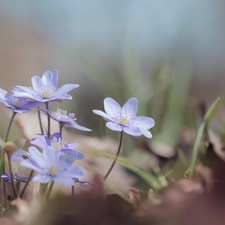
(40,123)
(117,154)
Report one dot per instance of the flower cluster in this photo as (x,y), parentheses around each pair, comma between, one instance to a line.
(50,157)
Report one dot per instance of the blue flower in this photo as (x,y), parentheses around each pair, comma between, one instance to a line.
(59,144)
(17,176)
(45,89)
(125,119)
(65,119)
(17,104)
(52,166)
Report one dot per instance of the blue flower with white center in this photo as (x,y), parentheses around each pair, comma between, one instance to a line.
(59,144)
(125,119)
(17,104)
(45,89)
(52,166)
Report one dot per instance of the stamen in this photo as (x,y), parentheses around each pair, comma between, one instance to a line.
(123,121)
(45,94)
(52,171)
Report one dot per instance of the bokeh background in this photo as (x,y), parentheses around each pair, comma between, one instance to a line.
(169,55)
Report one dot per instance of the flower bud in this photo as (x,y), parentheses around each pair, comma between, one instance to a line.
(10,148)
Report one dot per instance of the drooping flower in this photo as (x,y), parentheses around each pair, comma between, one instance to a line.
(17,176)
(65,119)
(17,104)
(125,119)
(52,166)
(45,89)
(59,144)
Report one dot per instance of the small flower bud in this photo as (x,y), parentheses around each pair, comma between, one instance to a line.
(10,148)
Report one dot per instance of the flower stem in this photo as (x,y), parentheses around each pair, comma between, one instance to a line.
(49,190)
(47,107)
(26,184)
(40,123)
(11,177)
(117,154)
(10,124)
(72,190)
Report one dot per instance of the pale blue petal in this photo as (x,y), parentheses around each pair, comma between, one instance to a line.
(31,165)
(103,114)
(37,83)
(114,126)
(73,154)
(18,155)
(2,94)
(79,127)
(59,93)
(146,133)
(50,155)
(112,107)
(66,181)
(129,110)
(42,178)
(50,78)
(134,131)
(143,122)
(37,156)
(73,145)
(74,171)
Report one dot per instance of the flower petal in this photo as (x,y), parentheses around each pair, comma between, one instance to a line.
(37,156)
(129,110)
(32,165)
(112,107)
(72,154)
(50,155)
(50,78)
(37,83)
(61,93)
(74,171)
(66,181)
(134,131)
(143,122)
(146,133)
(103,114)
(42,178)
(114,126)
(18,155)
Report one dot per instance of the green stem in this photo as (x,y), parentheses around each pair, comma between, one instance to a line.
(195,149)
(117,154)
(26,184)
(50,190)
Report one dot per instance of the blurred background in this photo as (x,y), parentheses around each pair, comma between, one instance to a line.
(169,55)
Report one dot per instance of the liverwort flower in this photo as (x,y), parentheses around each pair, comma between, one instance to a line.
(59,144)
(65,119)
(17,104)
(52,166)
(17,176)
(45,89)
(125,119)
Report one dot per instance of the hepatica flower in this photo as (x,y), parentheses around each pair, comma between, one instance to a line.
(59,144)
(125,119)
(52,166)
(17,104)
(45,89)
(65,119)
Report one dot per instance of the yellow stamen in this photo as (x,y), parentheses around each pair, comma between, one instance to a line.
(46,94)
(57,146)
(123,121)
(52,171)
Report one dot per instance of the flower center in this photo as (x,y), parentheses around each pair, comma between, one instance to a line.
(52,171)
(46,94)
(123,121)
(57,145)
